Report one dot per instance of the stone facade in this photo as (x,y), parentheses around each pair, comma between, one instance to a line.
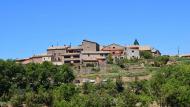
(132,52)
(87,52)
(114,49)
(90,46)
(98,57)
(56,52)
(154,51)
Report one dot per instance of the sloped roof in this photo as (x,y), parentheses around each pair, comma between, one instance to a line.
(115,44)
(41,55)
(133,47)
(185,55)
(109,47)
(89,41)
(95,52)
(76,47)
(57,47)
(145,48)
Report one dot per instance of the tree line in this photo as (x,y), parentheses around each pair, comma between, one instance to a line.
(38,85)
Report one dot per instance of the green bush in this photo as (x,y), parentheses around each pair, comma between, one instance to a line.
(161,60)
(146,55)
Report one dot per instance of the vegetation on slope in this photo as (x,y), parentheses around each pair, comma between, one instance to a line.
(38,85)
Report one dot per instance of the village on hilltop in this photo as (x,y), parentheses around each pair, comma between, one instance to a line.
(89,52)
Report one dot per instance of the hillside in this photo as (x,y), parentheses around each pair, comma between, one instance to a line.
(131,84)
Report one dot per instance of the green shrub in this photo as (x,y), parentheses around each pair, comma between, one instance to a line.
(146,55)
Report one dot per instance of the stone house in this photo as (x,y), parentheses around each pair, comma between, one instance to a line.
(132,52)
(90,46)
(24,61)
(114,49)
(41,58)
(94,57)
(88,52)
(91,54)
(36,59)
(154,51)
(72,55)
(56,52)
(185,56)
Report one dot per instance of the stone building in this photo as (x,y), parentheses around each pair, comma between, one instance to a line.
(94,57)
(132,52)
(56,52)
(185,56)
(36,59)
(114,49)
(59,55)
(72,55)
(90,46)
(88,52)
(65,54)
(154,51)
(41,58)
(91,54)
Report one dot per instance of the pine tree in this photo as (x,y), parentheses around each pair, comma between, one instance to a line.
(136,42)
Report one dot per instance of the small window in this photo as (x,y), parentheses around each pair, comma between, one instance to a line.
(113,53)
(113,47)
(88,55)
(133,51)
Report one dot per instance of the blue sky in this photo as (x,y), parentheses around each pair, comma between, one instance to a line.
(28,27)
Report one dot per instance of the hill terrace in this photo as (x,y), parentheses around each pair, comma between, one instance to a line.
(88,52)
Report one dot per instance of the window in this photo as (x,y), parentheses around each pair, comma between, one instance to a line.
(113,47)
(88,55)
(113,53)
(67,56)
(133,51)
(76,56)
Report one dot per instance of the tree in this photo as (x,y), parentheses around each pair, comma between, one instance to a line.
(64,92)
(64,75)
(100,100)
(127,99)
(161,60)
(87,88)
(146,54)
(119,84)
(170,86)
(39,98)
(120,62)
(136,42)
(110,59)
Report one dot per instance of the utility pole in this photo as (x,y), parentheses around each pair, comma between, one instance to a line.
(178,51)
